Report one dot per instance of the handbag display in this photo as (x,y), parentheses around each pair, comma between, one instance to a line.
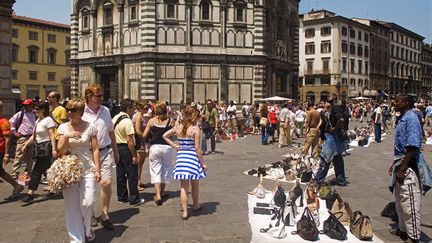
(42,149)
(290,175)
(324,191)
(296,193)
(331,199)
(276,173)
(263,121)
(342,211)
(389,211)
(279,196)
(361,226)
(333,228)
(306,227)
(306,176)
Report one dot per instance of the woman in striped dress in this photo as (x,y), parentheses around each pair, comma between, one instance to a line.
(190,165)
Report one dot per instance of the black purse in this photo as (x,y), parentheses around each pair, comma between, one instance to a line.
(279,196)
(306,227)
(42,149)
(331,199)
(295,193)
(306,176)
(333,228)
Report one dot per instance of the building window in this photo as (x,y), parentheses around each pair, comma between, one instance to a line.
(366,83)
(344,64)
(366,37)
(344,31)
(85,19)
(325,81)
(344,81)
(352,49)
(359,35)
(360,50)
(170,10)
(360,82)
(310,48)
(309,65)
(239,14)
(325,31)
(51,76)
(309,33)
(310,81)
(14,53)
(133,13)
(67,57)
(352,82)
(33,75)
(344,47)
(325,47)
(325,63)
(352,65)
(352,33)
(360,66)
(14,33)
(108,13)
(67,40)
(51,55)
(366,67)
(33,54)
(205,10)
(14,74)
(33,35)
(51,38)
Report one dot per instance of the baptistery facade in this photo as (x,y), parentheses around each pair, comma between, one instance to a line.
(179,50)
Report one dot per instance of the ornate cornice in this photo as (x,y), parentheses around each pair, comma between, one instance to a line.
(6,8)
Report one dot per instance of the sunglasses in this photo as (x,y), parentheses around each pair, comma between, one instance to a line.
(73,110)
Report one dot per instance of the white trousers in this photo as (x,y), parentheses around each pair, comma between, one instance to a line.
(408,201)
(160,163)
(79,205)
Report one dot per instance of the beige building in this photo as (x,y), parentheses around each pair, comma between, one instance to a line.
(426,74)
(40,57)
(180,50)
(334,56)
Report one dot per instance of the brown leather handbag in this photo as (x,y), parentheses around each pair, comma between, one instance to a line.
(361,226)
(342,210)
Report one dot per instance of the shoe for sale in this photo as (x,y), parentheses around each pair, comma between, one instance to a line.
(94,221)
(28,198)
(107,224)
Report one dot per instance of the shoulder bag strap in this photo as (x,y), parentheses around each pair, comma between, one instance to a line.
(51,115)
(19,121)
(119,120)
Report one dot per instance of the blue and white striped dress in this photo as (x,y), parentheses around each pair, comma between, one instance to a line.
(187,165)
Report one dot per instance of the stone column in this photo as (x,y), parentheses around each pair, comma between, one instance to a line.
(7,97)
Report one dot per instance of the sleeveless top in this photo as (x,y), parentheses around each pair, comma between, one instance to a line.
(157,132)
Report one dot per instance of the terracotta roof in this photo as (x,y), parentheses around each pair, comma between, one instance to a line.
(40,21)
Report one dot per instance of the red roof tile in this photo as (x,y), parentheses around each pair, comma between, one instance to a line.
(40,21)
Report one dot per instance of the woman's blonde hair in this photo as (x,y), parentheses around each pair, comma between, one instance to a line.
(190,116)
(160,110)
(92,90)
(76,103)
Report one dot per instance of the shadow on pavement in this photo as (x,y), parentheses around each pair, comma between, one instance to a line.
(208,208)
(123,215)
(103,235)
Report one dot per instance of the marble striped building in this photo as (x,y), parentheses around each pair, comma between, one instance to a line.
(180,50)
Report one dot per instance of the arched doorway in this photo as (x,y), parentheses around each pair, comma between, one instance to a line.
(325,95)
(310,96)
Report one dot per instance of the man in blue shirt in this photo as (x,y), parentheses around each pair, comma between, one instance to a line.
(407,189)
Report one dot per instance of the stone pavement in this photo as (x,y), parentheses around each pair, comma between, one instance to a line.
(223,192)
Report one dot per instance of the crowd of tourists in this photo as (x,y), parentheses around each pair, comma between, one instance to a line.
(102,137)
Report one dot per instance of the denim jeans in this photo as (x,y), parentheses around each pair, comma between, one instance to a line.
(264,133)
(332,152)
(377,133)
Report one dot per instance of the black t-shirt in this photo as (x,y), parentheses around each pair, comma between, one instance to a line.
(337,112)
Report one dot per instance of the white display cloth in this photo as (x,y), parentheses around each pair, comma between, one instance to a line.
(283,179)
(258,221)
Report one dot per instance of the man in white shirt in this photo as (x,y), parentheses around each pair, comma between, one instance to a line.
(99,115)
(245,113)
(378,121)
(232,116)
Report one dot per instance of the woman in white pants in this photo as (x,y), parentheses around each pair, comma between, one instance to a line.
(78,137)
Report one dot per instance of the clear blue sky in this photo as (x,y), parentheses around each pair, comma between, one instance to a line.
(415,15)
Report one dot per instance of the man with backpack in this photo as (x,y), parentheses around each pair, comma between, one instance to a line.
(22,125)
(211,118)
